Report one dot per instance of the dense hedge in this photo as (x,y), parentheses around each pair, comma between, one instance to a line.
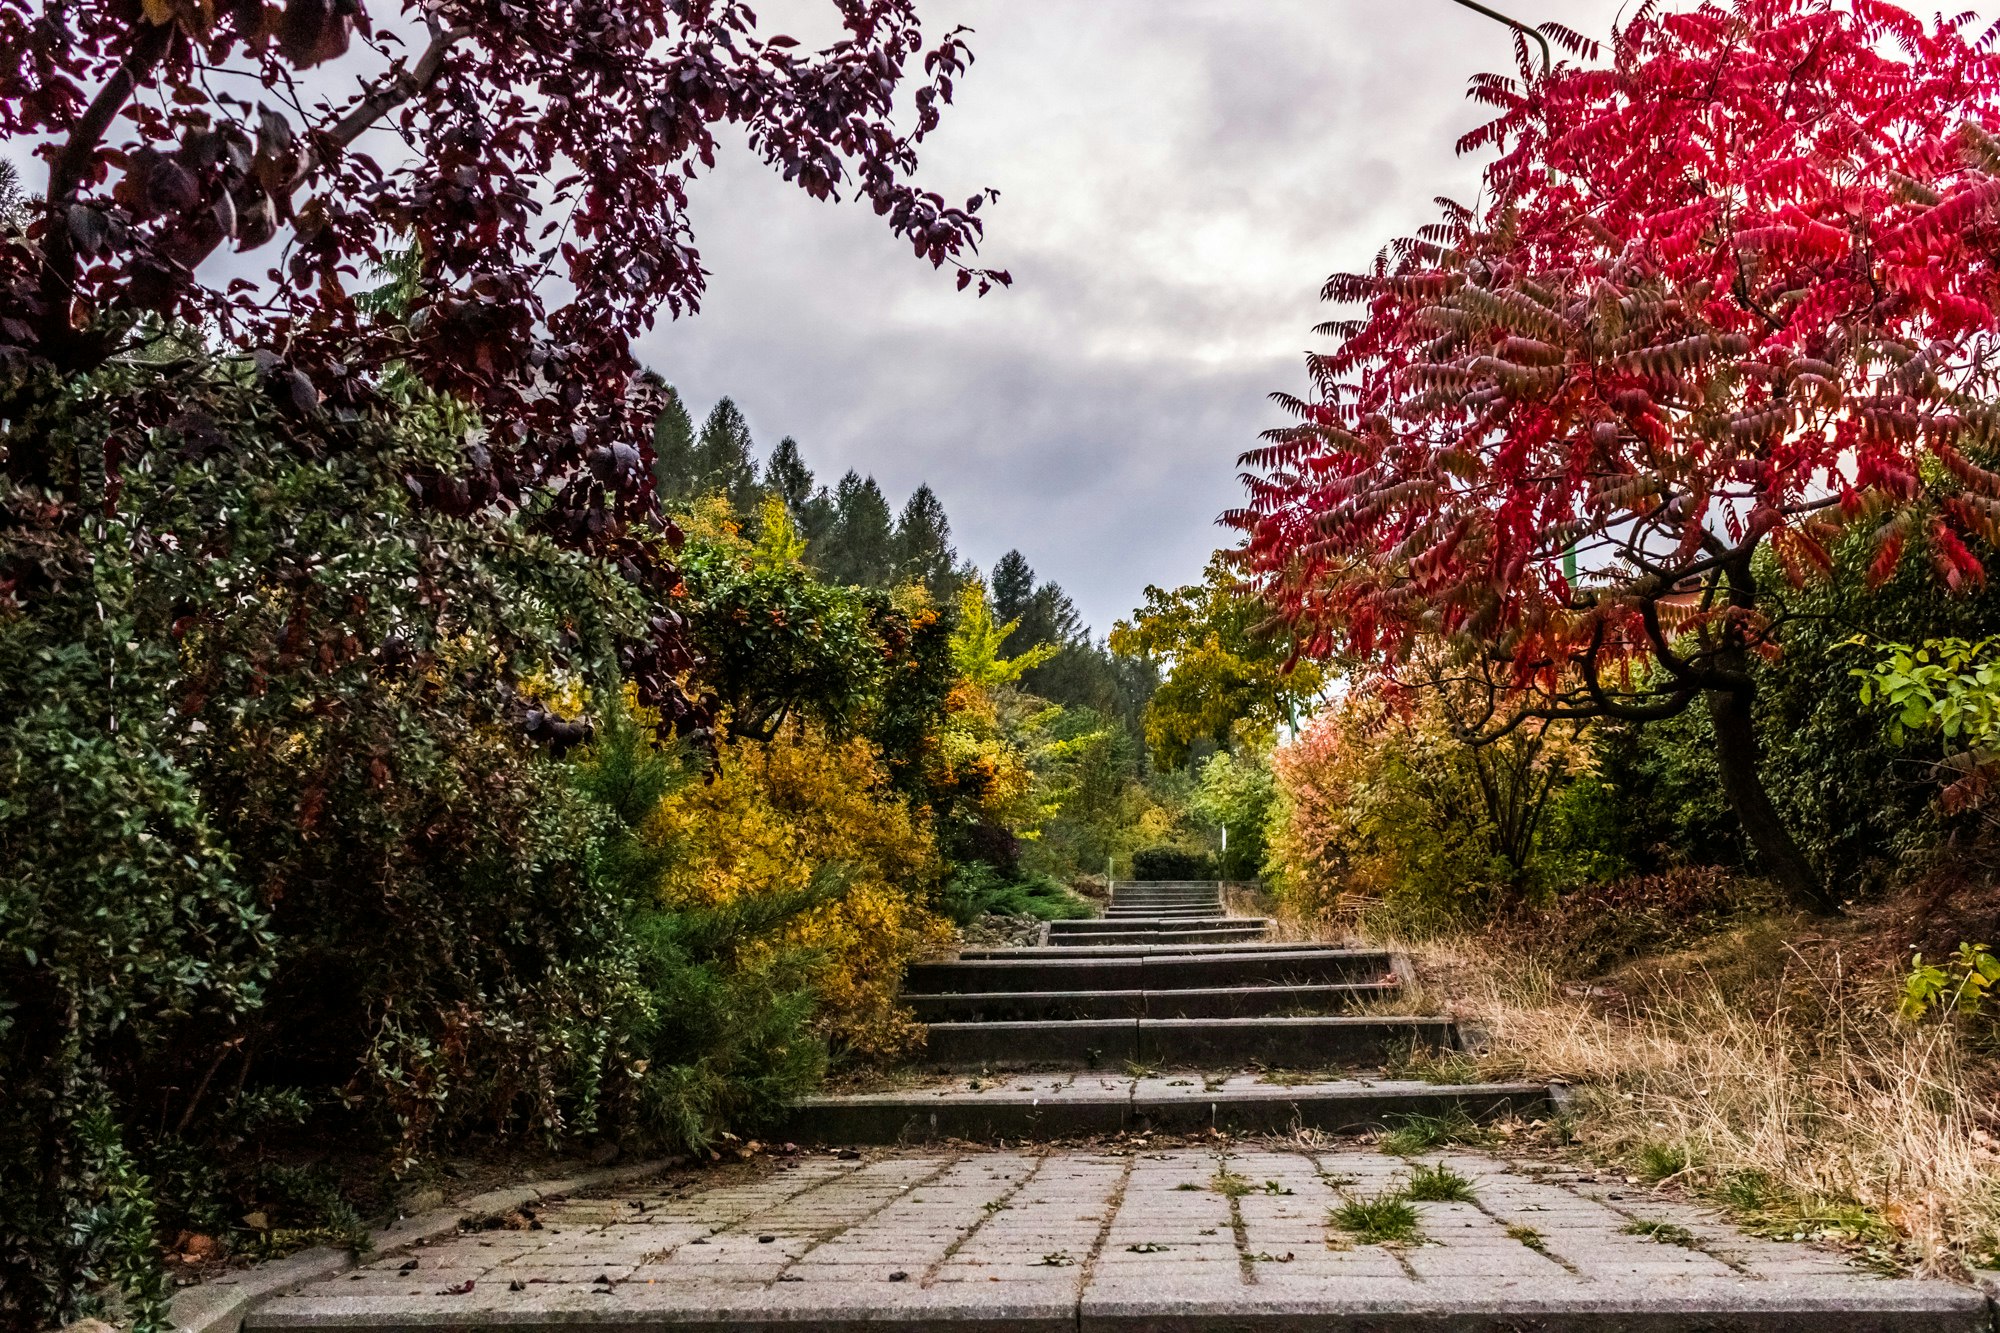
(289,845)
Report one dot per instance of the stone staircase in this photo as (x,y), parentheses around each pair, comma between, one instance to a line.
(1164,982)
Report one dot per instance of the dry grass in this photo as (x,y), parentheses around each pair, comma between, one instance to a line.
(1764,1071)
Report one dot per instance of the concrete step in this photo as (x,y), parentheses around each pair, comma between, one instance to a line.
(1097,924)
(1092,1105)
(1216,1002)
(1149,971)
(1192,1043)
(1157,935)
(1140,931)
(1163,914)
(1165,949)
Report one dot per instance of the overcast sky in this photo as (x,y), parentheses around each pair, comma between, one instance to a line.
(1177,179)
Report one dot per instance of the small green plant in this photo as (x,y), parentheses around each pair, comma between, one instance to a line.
(1407,1136)
(1228,1184)
(1274,1187)
(1948,686)
(1148,1247)
(1745,1191)
(1429,1064)
(1666,1233)
(1656,1162)
(1437,1184)
(1529,1237)
(1187,1185)
(1380,1220)
(1961,986)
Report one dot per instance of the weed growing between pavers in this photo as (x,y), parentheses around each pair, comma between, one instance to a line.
(1529,1237)
(1228,1184)
(1437,1184)
(1667,1233)
(1412,1134)
(1379,1220)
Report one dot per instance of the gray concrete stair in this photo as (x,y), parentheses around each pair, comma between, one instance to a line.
(1162,949)
(1147,969)
(1098,925)
(1212,1002)
(1156,930)
(1318,1042)
(1092,1105)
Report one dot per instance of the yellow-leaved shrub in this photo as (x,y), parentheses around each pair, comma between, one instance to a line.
(780,811)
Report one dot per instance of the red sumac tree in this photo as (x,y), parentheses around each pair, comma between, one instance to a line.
(1732,287)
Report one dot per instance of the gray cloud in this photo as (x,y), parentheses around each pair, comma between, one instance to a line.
(1177,180)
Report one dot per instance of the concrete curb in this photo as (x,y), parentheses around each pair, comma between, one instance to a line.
(218,1305)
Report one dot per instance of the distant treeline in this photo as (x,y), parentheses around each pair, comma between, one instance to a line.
(853,536)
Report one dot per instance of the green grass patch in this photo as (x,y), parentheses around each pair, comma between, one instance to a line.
(1529,1237)
(1380,1220)
(1764,1208)
(1655,1162)
(1667,1233)
(1410,1135)
(1429,1063)
(1437,1183)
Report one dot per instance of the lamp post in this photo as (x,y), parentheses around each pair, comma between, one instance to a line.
(1548,57)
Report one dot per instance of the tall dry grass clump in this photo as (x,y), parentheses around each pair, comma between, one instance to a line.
(1772,1077)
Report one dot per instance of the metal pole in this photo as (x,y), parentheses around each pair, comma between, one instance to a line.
(1548,57)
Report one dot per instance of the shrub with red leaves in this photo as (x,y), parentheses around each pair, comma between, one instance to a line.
(540,191)
(1732,289)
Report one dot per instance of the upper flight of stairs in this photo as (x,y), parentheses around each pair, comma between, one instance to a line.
(1164,981)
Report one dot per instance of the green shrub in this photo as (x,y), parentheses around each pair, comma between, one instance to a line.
(976,889)
(1173,863)
(271,815)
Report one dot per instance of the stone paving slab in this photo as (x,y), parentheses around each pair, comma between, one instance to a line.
(1129,1241)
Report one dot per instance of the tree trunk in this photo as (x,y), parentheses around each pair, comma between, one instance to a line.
(1736,751)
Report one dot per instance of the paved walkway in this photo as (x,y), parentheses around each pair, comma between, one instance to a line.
(1184,1238)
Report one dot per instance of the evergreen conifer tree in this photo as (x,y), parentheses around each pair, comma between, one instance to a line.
(787,477)
(923,545)
(676,477)
(811,508)
(860,548)
(1013,585)
(723,457)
